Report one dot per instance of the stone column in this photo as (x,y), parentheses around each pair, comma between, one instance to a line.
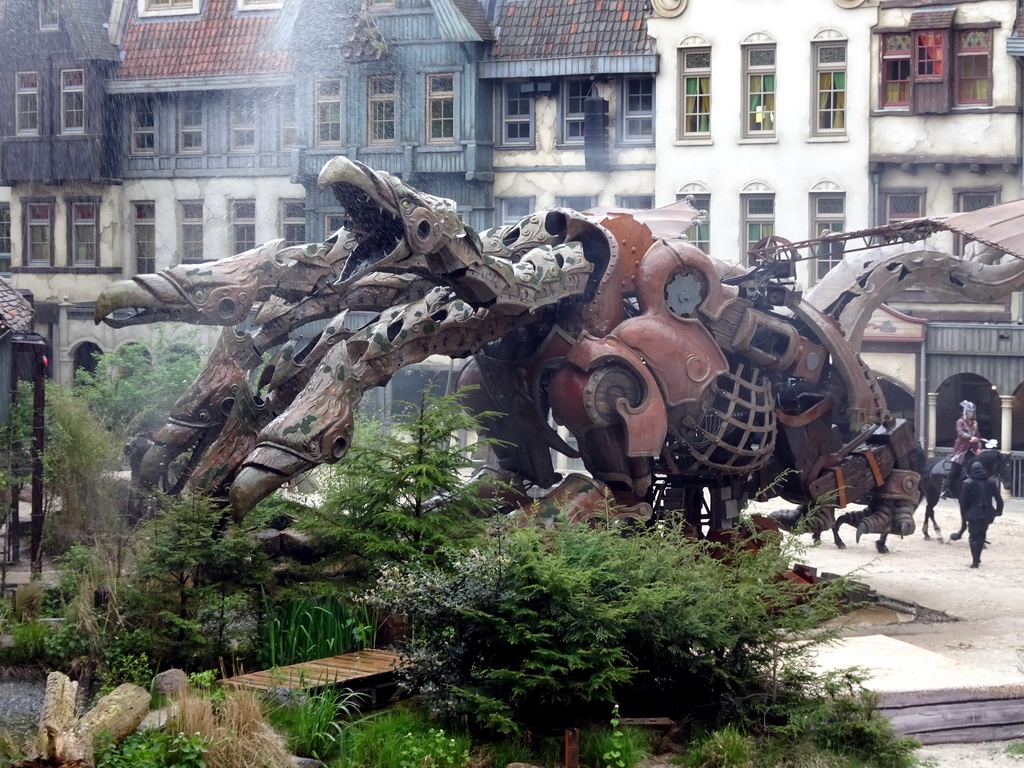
(1006,431)
(933,403)
(64,365)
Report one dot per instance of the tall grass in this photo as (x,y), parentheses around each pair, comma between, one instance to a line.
(315,628)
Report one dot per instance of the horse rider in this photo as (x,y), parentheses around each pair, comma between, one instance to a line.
(968,443)
(980,504)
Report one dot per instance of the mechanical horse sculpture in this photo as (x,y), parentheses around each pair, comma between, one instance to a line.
(681,378)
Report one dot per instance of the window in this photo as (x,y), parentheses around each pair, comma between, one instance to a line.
(758,219)
(83,232)
(971,200)
(635,202)
(191,217)
(514,209)
(49,15)
(760,90)
(576,202)
(929,56)
(286,127)
(190,120)
(328,113)
(574,96)
(441,109)
(830,88)
(243,224)
(242,118)
(259,5)
(27,103)
(39,232)
(293,221)
(695,82)
(381,97)
(144,224)
(332,223)
(896,70)
(161,7)
(5,237)
(143,126)
(638,109)
(516,114)
(828,214)
(700,233)
(974,67)
(900,206)
(72,100)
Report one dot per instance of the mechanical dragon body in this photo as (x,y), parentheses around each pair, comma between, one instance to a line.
(689,385)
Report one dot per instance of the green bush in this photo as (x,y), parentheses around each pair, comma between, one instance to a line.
(404,738)
(153,749)
(318,726)
(28,643)
(310,628)
(728,747)
(536,624)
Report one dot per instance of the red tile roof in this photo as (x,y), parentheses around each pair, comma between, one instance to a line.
(537,29)
(15,311)
(222,41)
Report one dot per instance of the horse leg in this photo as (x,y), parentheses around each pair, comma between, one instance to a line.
(880,544)
(963,527)
(841,520)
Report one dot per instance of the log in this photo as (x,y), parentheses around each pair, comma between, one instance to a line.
(67,742)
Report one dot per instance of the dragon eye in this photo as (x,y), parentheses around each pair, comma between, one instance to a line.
(313,449)
(199,294)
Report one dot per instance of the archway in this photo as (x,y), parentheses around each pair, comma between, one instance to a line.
(901,399)
(85,358)
(966,386)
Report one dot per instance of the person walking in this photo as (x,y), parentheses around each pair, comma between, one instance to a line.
(980,504)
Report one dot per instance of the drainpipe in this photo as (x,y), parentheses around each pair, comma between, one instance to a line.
(876,200)
(922,396)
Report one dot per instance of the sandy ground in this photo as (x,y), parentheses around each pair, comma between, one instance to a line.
(988,602)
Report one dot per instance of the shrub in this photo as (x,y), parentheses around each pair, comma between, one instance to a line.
(315,627)
(405,739)
(537,624)
(317,724)
(728,747)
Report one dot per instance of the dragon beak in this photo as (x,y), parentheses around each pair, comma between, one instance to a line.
(148,295)
(266,470)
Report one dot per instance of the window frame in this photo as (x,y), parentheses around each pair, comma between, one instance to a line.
(83,232)
(381,112)
(290,220)
(259,5)
(834,105)
(29,222)
(49,15)
(506,208)
(700,233)
(243,225)
(752,112)
(144,225)
(173,7)
(699,75)
(191,105)
(31,92)
(437,97)
(507,119)
(242,122)
(327,111)
(959,195)
(890,194)
(903,57)
(333,221)
(6,237)
(572,119)
(140,130)
(750,218)
(636,202)
(568,201)
(936,65)
(961,54)
(188,226)
(638,109)
(829,254)
(287,124)
(72,102)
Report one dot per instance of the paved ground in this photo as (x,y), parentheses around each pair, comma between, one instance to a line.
(987,602)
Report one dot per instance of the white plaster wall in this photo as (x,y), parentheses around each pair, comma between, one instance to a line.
(217,195)
(793,162)
(550,183)
(899,366)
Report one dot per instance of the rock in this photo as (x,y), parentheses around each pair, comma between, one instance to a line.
(284,696)
(306,762)
(171,682)
(270,541)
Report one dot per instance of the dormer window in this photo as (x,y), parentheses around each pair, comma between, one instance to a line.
(259,5)
(168,7)
(49,15)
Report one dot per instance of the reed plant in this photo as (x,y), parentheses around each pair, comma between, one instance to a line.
(311,628)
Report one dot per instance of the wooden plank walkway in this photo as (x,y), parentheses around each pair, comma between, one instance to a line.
(367,670)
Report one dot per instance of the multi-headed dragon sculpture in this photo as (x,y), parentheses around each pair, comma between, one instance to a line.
(688,384)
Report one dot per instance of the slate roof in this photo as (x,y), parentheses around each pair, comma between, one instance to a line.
(15,311)
(473,13)
(319,33)
(541,29)
(220,41)
(87,19)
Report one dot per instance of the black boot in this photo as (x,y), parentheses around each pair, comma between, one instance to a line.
(976,548)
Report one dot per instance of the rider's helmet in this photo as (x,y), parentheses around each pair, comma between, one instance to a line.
(969,409)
